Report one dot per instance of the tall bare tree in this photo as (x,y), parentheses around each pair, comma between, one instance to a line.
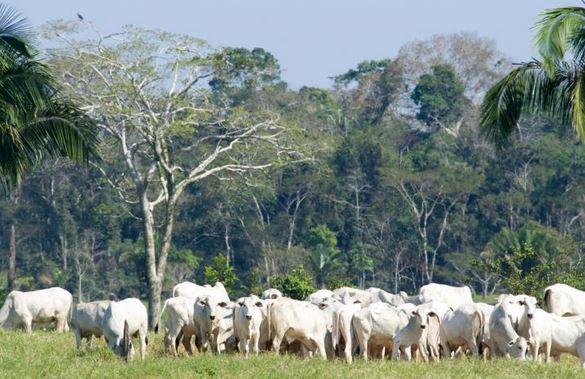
(160,102)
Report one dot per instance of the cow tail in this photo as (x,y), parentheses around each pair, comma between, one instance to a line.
(546,300)
(156,326)
(126,341)
(268,318)
(478,334)
(335,331)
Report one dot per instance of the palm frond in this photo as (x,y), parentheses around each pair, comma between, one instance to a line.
(554,32)
(502,106)
(528,89)
(25,86)
(15,32)
(61,130)
(578,106)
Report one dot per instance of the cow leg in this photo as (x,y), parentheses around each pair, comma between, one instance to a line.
(247,347)
(395,350)
(473,347)
(77,339)
(187,343)
(90,342)
(347,352)
(242,344)
(536,348)
(321,348)
(407,352)
(446,350)
(142,336)
(279,335)
(255,341)
(363,343)
(28,325)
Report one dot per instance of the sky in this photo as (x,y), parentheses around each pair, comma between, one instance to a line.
(316,39)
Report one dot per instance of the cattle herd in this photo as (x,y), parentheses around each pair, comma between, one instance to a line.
(440,322)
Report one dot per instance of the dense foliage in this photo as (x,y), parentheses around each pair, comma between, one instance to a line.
(383,180)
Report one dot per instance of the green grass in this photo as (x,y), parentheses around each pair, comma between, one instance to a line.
(51,355)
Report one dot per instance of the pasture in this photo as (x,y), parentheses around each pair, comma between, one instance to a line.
(51,355)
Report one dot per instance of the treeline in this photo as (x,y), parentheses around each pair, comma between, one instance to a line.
(213,168)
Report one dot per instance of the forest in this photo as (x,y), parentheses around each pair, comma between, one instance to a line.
(211,167)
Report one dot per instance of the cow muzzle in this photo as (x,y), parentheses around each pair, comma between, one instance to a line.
(249,317)
(423,326)
(530,315)
(212,317)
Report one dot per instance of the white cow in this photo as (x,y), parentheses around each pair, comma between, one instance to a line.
(422,331)
(452,296)
(23,309)
(87,320)
(462,327)
(210,309)
(190,290)
(301,321)
(356,295)
(342,328)
(541,333)
(123,320)
(180,323)
(505,341)
(224,339)
(377,325)
(564,300)
(250,313)
(567,334)
(394,299)
(319,296)
(486,310)
(271,293)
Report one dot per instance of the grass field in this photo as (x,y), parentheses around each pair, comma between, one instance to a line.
(51,355)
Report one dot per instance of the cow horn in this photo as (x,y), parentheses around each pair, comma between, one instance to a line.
(126,341)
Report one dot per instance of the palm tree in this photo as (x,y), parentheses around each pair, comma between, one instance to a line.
(36,122)
(553,85)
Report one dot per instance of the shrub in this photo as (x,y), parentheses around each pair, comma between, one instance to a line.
(297,285)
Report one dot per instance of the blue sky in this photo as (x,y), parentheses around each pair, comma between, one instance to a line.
(312,39)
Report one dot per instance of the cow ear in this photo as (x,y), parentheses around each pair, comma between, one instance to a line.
(413,313)
(223,304)
(259,304)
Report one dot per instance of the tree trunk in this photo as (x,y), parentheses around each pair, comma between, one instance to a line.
(12,259)
(152,278)
(79,289)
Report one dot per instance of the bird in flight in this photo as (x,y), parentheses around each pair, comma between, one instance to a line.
(80,17)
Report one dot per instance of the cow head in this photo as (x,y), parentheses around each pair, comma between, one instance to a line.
(212,303)
(327,302)
(512,306)
(529,303)
(421,315)
(271,293)
(517,348)
(252,308)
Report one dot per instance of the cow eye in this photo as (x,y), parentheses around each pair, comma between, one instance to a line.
(222,304)
(259,304)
